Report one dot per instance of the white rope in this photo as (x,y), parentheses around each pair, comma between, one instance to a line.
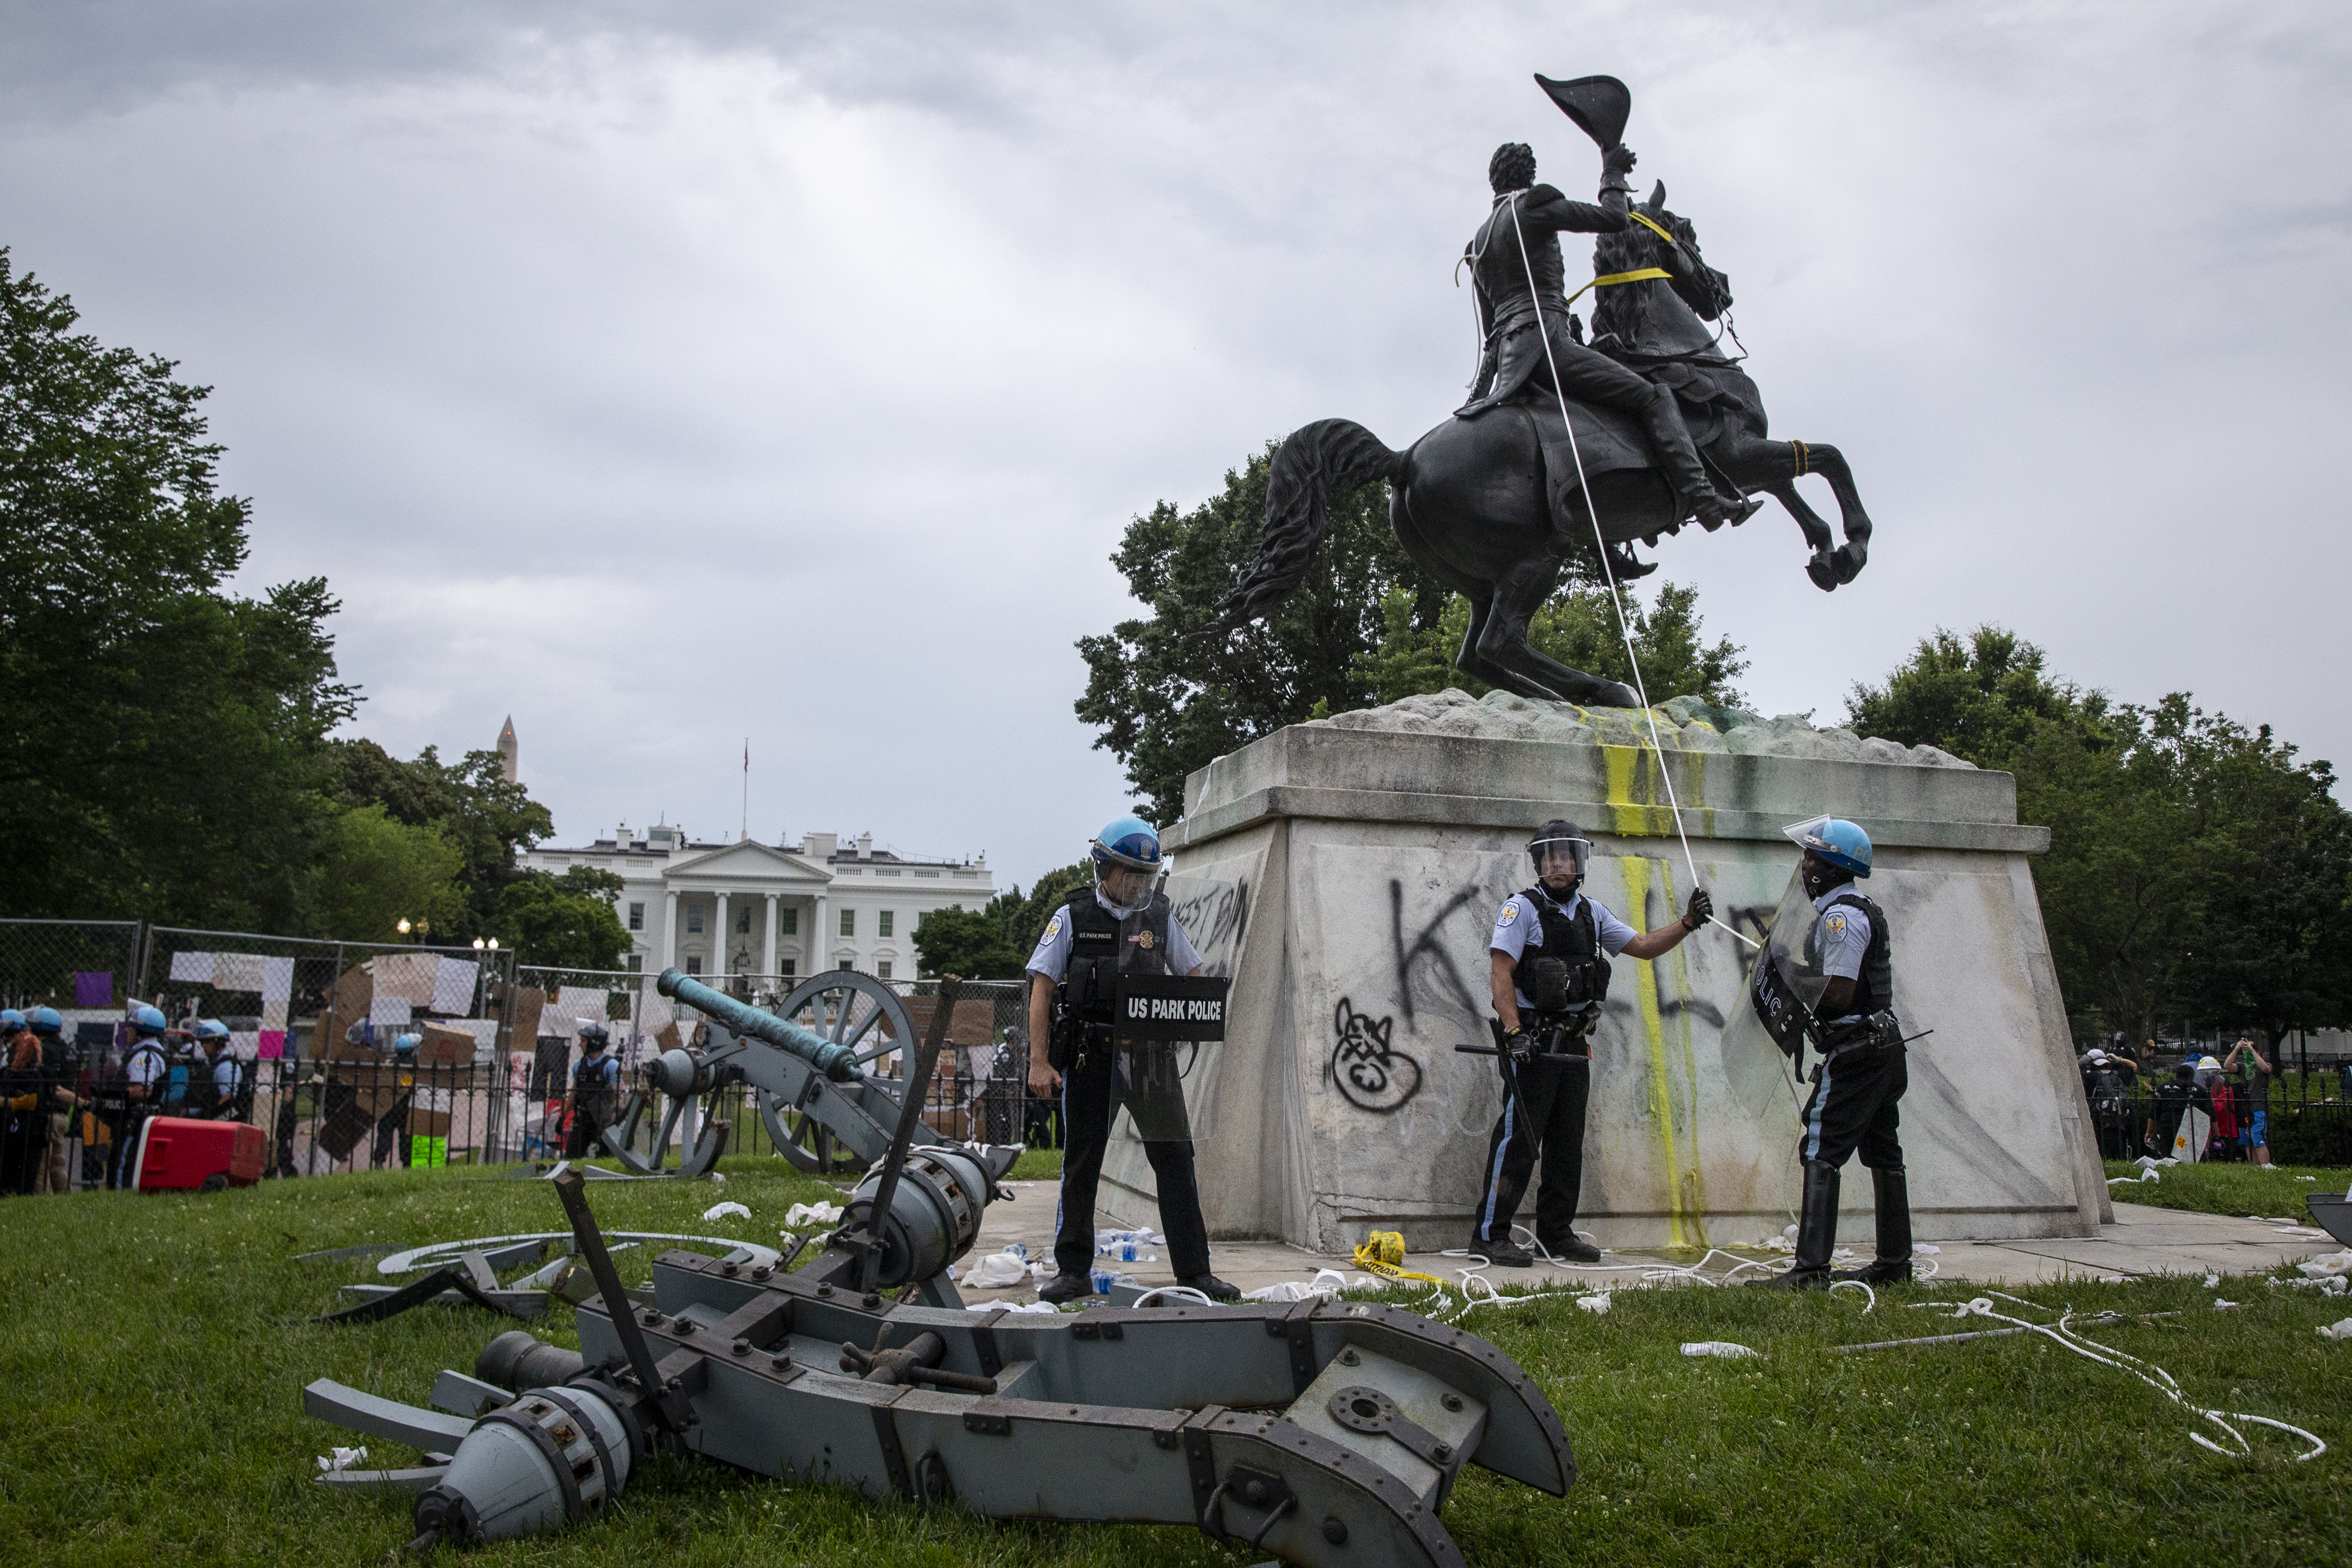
(1609,573)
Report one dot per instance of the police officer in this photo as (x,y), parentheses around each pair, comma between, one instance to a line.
(214,1093)
(58,1069)
(1120,926)
(1548,963)
(596,1093)
(1861,1076)
(146,1073)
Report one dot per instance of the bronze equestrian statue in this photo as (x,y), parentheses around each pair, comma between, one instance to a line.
(1494,502)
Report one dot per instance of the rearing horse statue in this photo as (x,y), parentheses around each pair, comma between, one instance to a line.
(1474,502)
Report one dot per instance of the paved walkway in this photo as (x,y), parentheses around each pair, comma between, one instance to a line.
(2142,1242)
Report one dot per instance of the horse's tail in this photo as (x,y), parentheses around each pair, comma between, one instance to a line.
(1318,458)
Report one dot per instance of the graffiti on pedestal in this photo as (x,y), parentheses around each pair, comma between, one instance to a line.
(1366,1069)
(1425,962)
(1213,914)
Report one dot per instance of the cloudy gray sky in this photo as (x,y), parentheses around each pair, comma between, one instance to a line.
(666,375)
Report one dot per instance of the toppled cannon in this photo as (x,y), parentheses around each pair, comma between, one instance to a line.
(1323,1432)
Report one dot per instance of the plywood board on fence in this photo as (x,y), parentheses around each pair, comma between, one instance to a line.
(524,1005)
(347,1004)
(972,1023)
(446,1047)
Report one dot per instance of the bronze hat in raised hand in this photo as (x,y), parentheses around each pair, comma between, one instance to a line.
(1598,105)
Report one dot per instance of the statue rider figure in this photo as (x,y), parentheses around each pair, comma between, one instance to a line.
(1533,216)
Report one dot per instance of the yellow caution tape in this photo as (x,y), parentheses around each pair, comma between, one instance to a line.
(1382,1253)
(1643,220)
(1639,274)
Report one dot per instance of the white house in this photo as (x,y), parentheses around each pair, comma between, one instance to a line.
(783,910)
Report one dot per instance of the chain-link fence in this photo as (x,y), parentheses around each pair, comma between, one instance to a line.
(77,967)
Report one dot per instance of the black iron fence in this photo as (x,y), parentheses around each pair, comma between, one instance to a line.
(2306,1117)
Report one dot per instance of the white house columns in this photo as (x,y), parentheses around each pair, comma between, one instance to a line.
(767,945)
(669,928)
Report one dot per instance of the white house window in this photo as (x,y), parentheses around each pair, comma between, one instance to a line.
(787,967)
(743,920)
(693,964)
(889,918)
(881,968)
(788,923)
(636,917)
(849,923)
(694,917)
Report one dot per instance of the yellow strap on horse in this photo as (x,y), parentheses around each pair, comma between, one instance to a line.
(1643,220)
(1383,1253)
(1639,274)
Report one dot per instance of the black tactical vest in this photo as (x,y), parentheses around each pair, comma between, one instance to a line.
(1568,973)
(1873,988)
(1103,946)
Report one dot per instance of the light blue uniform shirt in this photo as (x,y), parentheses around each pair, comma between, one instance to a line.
(1841,936)
(1519,927)
(1052,954)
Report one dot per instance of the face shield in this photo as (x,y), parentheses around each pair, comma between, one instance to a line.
(1561,858)
(1126,888)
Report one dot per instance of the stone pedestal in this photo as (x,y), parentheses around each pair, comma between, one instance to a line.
(1346,874)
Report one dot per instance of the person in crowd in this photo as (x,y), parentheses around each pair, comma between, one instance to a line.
(1548,969)
(58,1101)
(2174,1098)
(595,1096)
(2104,1087)
(1858,1084)
(1118,925)
(20,1101)
(2253,1091)
(2222,1142)
(138,1094)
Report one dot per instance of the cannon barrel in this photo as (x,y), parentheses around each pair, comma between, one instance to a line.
(837,1062)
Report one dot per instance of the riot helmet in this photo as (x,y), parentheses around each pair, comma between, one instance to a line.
(47,1022)
(1127,863)
(1561,844)
(148,1021)
(406,1044)
(593,1037)
(11,1020)
(1831,841)
(212,1030)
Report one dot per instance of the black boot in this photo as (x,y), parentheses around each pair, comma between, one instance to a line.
(1677,455)
(1893,1260)
(1816,1230)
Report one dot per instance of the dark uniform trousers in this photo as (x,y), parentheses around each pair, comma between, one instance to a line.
(1551,1121)
(1854,1106)
(1090,1096)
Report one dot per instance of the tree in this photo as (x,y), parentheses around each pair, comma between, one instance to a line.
(2157,817)
(483,816)
(160,737)
(1578,628)
(374,873)
(1025,916)
(967,943)
(1167,702)
(562,922)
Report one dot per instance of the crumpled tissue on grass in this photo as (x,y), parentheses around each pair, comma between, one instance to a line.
(801,1216)
(344,1458)
(721,1210)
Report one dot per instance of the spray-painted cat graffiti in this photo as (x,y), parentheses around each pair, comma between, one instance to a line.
(1372,1075)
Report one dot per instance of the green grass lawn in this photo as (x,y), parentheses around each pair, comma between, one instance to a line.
(1036,1165)
(156,1348)
(2273,1192)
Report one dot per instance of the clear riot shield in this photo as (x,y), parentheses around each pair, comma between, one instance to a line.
(1161,1026)
(1786,982)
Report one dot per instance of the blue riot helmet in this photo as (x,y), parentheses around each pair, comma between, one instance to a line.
(212,1032)
(595,1037)
(11,1020)
(1840,843)
(1563,844)
(47,1022)
(1126,863)
(147,1020)
(406,1044)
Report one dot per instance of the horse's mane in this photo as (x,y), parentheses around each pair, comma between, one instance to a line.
(1625,311)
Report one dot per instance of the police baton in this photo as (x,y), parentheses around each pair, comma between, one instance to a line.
(1502,1059)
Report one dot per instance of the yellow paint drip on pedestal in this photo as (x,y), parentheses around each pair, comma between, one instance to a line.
(1686,1192)
(1636,798)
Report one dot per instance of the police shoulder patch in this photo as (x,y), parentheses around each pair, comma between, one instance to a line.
(1835,924)
(1053,928)
(1510,913)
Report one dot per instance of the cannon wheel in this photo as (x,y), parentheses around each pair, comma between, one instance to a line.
(848,1009)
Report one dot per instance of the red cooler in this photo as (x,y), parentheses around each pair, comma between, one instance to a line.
(180,1153)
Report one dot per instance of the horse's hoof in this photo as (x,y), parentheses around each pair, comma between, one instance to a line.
(1620,696)
(1850,562)
(1823,569)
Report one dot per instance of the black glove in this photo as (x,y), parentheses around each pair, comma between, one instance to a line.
(1615,165)
(1519,1046)
(1700,911)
